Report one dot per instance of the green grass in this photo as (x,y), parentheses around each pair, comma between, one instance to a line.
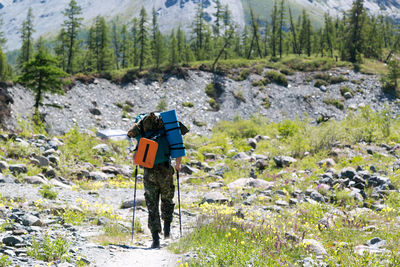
(46,192)
(49,249)
(334,102)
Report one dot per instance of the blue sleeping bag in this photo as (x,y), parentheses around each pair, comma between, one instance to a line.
(174,135)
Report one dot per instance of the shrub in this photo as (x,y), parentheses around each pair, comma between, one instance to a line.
(337,79)
(46,192)
(4,261)
(48,249)
(346,89)
(267,103)
(322,76)
(318,83)
(286,71)
(213,104)
(238,94)
(162,105)
(277,77)
(210,90)
(244,74)
(188,104)
(199,123)
(334,102)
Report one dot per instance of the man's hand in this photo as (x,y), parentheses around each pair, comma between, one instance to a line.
(178,164)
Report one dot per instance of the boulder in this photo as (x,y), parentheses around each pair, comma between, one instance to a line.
(102,148)
(261,184)
(18,168)
(376,242)
(43,161)
(6,179)
(317,196)
(239,183)
(241,156)
(30,220)
(252,142)
(3,166)
(110,169)
(12,241)
(327,162)
(188,170)
(210,156)
(214,197)
(348,172)
(140,201)
(361,249)
(53,159)
(316,247)
(284,161)
(97,176)
(95,111)
(35,180)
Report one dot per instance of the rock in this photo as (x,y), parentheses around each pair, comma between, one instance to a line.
(241,156)
(348,172)
(35,180)
(97,176)
(102,148)
(361,249)
(281,203)
(140,201)
(50,173)
(293,201)
(284,161)
(103,221)
(210,156)
(43,162)
(317,196)
(49,152)
(323,88)
(316,247)
(6,179)
(59,183)
(238,184)
(53,159)
(348,95)
(252,142)
(18,168)
(356,196)
(261,164)
(376,242)
(12,240)
(39,223)
(214,197)
(110,170)
(29,220)
(327,162)
(19,232)
(215,185)
(188,170)
(95,111)
(261,184)
(3,166)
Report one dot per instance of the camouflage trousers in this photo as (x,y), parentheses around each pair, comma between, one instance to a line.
(158,182)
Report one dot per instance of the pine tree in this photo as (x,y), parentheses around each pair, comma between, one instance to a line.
(156,42)
(329,34)
(100,55)
(125,44)
(181,44)
(294,33)
(27,31)
(61,49)
(274,25)
(281,26)
(3,39)
(41,75)
(266,38)
(71,25)
(115,37)
(255,40)
(173,54)
(354,38)
(142,38)
(135,41)
(305,38)
(219,16)
(198,30)
(4,67)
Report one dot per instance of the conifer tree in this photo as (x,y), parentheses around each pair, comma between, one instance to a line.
(135,41)
(255,40)
(125,44)
(219,16)
(61,49)
(266,38)
(99,46)
(142,37)
(281,26)
(305,38)
(173,54)
(329,34)
(115,37)
(354,38)
(42,75)
(4,67)
(3,39)
(274,25)
(156,42)
(27,31)
(198,30)
(71,24)
(294,33)
(181,44)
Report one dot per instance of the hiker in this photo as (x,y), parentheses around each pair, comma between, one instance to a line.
(158,180)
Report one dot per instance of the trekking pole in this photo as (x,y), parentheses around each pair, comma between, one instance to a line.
(134,202)
(179,203)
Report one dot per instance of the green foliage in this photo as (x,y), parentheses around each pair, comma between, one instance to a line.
(267,103)
(71,216)
(238,94)
(4,261)
(390,81)
(346,89)
(337,79)
(210,89)
(41,75)
(188,104)
(277,77)
(213,104)
(162,105)
(46,192)
(49,249)
(318,83)
(334,102)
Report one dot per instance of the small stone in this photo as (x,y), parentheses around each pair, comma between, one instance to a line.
(49,152)
(18,168)
(12,240)
(215,197)
(376,242)
(215,185)
(327,162)
(210,156)
(238,184)
(102,148)
(293,201)
(188,170)
(3,166)
(281,203)
(43,162)
(316,247)
(348,95)
(284,161)
(97,176)
(140,201)
(252,142)
(6,179)
(317,196)
(53,159)
(35,180)
(241,156)
(261,184)
(95,111)
(348,172)
(30,220)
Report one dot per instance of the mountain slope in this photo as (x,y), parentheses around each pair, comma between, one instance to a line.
(49,18)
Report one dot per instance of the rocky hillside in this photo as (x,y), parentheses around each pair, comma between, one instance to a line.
(202,99)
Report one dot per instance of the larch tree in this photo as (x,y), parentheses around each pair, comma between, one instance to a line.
(27,31)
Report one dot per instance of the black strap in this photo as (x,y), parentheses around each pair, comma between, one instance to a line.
(176,148)
(171,122)
(177,144)
(172,129)
(145,152)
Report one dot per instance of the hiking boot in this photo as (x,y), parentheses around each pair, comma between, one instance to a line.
(156,240)
(167,229)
